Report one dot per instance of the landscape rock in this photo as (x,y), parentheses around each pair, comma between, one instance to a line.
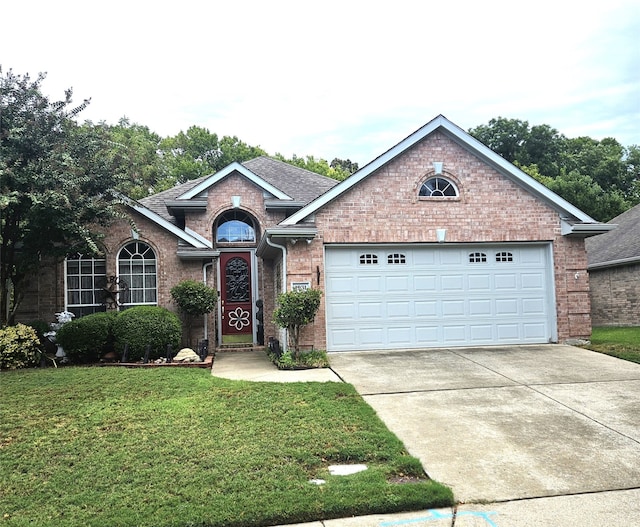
(186,355)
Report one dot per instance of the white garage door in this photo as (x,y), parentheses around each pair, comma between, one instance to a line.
(387,297)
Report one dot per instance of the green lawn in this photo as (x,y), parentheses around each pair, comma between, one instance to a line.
(621,342)
(177,447)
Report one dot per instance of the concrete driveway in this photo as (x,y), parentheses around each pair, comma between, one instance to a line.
(506,423)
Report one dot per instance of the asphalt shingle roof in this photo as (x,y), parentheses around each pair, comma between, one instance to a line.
(302,185)
(619,244)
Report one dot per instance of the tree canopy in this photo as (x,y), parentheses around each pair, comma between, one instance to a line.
(602,178)
(56,183)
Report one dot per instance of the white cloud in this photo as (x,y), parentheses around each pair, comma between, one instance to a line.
(336,79)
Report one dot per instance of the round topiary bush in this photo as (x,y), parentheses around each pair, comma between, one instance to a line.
(19,347)
(147,325)
(86,339)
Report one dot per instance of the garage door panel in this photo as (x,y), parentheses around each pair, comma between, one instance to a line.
(454,334)
(506,282)
(533,306)
(371,336)
(341,284)
(480,307)
(507,306)
(369,284)
(532,281)
(452,308)
(400,336)
(425,283)
(452,282)
(399,309)
(430,296)
(426,308)
(479,282)
(507,332)
(534,331)
(397,284)
(369,310)
(481,333)
(341,311)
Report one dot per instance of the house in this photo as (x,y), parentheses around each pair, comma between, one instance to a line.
(614,272)
(437,242)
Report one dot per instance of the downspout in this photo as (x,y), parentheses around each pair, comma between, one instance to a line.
(204,278)
(284,261)
(284,272)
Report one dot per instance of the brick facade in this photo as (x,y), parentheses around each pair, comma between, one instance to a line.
(615,296)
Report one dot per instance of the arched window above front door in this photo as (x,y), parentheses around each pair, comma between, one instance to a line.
(235,226)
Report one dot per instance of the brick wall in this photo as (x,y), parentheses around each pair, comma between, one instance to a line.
(615,296)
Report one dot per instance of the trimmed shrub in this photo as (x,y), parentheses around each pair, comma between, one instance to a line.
(19,347)
(147,325)
(86,339)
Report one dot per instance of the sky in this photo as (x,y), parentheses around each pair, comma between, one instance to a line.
(346,79)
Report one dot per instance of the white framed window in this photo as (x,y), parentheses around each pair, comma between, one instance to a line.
(137,272)
(85,278)
(235,226)
(438,187)
(504,256)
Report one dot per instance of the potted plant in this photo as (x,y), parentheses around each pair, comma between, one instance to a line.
(295,310)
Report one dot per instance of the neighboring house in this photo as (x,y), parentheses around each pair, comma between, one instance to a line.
(614,272)
(437,242)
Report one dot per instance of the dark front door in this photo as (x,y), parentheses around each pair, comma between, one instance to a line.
(235,295)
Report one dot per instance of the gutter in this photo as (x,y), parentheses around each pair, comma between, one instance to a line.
(614,263)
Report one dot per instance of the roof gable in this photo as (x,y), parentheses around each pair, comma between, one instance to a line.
(191,238)
(234,167)
(457,134)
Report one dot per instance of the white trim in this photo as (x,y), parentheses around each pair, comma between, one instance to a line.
(229,169)
(466,141)
(199,237)
(159,220)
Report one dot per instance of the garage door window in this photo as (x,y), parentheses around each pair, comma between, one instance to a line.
(396,258)
(368,259)
(504,257)
(477,257)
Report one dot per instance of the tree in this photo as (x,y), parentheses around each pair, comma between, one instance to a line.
(194,299)
(199,152)
(319,166)
(345,164)
(136,147)
(599,177)
(295,310)
(56,181)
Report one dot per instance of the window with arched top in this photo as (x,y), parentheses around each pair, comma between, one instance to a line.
(438,187)
(235,226)
(137,269)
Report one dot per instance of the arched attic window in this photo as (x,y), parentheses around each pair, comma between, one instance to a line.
(235,226)
(438,187)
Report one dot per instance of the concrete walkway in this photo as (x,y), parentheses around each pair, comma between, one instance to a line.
(540,435)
